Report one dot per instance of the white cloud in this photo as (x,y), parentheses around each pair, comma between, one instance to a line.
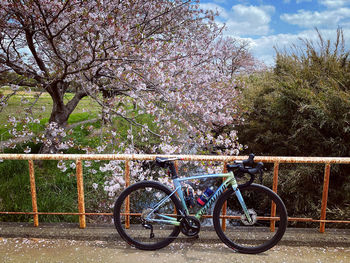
(251,12)
(324,19)
(263,47)
(247,20)
(334,3)
(253,23)
(243,20)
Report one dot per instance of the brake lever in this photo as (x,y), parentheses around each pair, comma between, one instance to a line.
(249,161)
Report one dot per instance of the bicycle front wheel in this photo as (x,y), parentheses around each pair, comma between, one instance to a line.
(132,208)
(268,214)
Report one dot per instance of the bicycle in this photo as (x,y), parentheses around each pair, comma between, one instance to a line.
(255,217)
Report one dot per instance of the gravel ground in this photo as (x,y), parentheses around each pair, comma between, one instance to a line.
(63,250)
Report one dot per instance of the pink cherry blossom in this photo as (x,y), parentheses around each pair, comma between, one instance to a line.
(167,58)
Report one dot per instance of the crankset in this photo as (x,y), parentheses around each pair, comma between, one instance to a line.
(190,226)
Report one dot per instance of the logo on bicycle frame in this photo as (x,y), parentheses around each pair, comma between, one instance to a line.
(212,200)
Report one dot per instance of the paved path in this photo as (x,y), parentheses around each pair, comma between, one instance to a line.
(62,250)
(292,237)
(67,243)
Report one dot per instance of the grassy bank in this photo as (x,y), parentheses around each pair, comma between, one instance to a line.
(56,190)
(40,108)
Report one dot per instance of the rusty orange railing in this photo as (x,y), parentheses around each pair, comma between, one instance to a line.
(141,157)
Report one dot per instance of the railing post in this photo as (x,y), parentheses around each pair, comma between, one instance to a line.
(176,163)
(33,192)
(274,188)
(224,208)
(325,196)
(80,186)
(127,201)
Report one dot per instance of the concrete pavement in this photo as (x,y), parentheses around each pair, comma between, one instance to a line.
(292,237)
(35,250)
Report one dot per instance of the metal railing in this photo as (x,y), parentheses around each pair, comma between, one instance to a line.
(141,157)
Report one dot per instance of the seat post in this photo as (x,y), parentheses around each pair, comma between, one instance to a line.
(172,170)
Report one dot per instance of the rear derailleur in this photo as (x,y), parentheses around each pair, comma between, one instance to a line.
(149,226)
(144,223)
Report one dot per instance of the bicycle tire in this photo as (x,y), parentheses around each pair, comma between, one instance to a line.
(142,196)
(250,238)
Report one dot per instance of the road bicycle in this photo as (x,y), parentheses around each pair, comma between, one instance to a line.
(249,218)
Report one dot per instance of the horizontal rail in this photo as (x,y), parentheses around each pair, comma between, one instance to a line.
(145,157)
(54,213)
(294,219)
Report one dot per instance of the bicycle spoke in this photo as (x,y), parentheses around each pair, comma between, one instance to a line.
(255,236)
(148,228)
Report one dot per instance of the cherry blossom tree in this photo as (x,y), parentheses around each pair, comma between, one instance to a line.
(166,57)
(235,57)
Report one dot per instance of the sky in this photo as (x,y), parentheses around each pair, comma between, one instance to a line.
(280,23)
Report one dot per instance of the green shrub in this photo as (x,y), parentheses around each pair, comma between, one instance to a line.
(302,108)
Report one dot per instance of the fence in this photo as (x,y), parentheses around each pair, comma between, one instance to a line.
(139,157)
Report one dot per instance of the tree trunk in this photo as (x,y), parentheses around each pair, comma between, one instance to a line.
(60,113)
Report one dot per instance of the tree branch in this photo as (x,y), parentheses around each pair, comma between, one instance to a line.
(72,104)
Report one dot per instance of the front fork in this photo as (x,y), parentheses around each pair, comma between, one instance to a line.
(241,201)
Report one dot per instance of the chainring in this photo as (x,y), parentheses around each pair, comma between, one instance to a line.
(190,226)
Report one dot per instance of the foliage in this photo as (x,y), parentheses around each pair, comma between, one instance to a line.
(302,108)
(159,55)
(159,76)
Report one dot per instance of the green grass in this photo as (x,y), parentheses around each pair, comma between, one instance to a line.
(16,108)
(14,190)
(56,190)
(42,108)
(86,109)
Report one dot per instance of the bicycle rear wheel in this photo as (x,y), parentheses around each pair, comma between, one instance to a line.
(257,236)
(141,198)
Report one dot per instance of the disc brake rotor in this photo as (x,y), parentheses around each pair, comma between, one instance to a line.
(252,215)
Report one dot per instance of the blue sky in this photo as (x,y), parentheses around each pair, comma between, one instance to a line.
(280,23)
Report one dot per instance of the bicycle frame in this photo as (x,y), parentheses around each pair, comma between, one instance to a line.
(229,181)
